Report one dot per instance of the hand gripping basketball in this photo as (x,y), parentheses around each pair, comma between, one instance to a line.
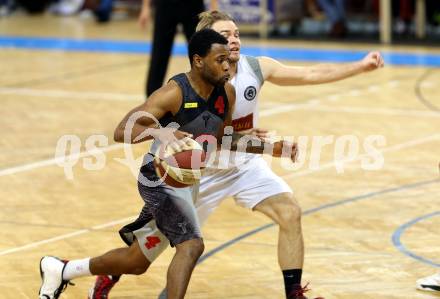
(180,163)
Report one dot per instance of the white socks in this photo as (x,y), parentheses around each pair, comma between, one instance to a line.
(77,268)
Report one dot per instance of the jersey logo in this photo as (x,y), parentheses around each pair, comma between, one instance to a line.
(191,105)
(243,123)
(206,118)
(182,226)
(250,93)
(220,105)
(152,241)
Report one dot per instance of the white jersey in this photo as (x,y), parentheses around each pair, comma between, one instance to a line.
(247,82)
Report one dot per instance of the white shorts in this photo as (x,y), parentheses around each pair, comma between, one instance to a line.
(249,184)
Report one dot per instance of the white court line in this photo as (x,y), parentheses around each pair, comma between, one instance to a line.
(54,161)
(66,236)
(396,147)
(71,94)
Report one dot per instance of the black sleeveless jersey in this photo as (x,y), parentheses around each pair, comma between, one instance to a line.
(196,115)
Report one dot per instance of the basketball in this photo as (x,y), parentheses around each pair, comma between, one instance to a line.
(181,169)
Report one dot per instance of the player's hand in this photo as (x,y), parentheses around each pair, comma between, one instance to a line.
(285,148)
(144,16)
(174,141)
(263,134)
(182,142)
(179,142)
(372,61)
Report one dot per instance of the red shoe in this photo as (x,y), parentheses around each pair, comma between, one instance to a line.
(298,293)
(102,287)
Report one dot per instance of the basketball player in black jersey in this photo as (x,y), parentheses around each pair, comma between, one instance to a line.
(201,103)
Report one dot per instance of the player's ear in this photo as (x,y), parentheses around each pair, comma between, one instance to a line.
(197,60)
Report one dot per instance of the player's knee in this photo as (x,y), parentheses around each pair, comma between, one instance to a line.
(288,213)
(192,249)
(138,270)
(136,265)
(291,214)
(196,249)
(135,261)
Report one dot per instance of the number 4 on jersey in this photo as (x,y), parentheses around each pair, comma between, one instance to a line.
(220,105)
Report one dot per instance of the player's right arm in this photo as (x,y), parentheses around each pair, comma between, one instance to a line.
(144,118)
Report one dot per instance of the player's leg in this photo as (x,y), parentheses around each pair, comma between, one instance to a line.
(175,215)
(215,186)
(110,266)
(146,244)
(128,260)
(265,193)
(182,266)
(56,273)
(150,241)
(284,210)
(269,194)
(177,219)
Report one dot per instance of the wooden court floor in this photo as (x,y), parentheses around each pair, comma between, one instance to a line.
(357,224)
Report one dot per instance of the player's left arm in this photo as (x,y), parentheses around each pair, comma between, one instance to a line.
(281,74)
(255,145)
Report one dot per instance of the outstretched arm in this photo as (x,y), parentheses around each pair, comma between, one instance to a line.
(280,74)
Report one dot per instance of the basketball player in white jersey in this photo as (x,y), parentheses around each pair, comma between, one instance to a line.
(252,184)
(265,192)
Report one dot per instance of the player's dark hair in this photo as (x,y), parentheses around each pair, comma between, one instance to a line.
(202,41)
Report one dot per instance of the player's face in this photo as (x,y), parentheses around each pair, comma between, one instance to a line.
(229,30)
(216,65)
